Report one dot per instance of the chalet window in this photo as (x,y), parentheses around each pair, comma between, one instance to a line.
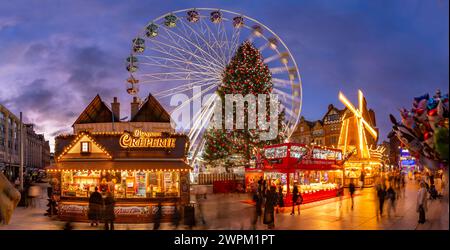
(85,147)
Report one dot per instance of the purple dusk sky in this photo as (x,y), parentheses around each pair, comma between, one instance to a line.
(57,55)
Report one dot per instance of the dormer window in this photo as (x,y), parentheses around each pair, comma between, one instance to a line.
(85,147)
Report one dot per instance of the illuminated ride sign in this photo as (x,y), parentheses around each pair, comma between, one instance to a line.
(140,139)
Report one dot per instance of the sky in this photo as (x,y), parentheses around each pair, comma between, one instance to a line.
(55,56)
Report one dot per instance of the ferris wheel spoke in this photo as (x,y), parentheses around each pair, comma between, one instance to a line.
(224,35)
(285,95)
(198,95)
(198,117)
(217,43)
(176,66)
(271,58)
(181,91)
(189,43)
(278,70)
(197,36)
(179,63)
(199,129)
(178,75)
(179,50)
(282,81)
(235,42)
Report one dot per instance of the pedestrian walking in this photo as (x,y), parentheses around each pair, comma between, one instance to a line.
(108,212)
(340,194)
(200,202)
(391,196)
(280,199)
(95,207)
(176,217)
(351,189)
(271,201)
(158,216)
(257,212)
(297,199)
(361,179)
(33,193)
(421,205)
(381,194)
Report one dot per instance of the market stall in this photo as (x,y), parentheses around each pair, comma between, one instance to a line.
(140,169)
(315,170)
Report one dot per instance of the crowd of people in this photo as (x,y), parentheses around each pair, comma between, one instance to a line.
(270,199)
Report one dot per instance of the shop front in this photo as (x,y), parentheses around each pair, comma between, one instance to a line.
(357,171)
(316,171)
(141,170)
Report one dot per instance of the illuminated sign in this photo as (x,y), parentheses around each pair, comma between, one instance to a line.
(140,139)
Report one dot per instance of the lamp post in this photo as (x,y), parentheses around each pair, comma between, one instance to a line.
(21,153)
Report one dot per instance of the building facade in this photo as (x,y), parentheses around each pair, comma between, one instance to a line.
(324,132)
(36,148)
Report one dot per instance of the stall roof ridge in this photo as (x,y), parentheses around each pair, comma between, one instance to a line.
(97,111)
(151,111)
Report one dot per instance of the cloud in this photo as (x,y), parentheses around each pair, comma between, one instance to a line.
(6,23)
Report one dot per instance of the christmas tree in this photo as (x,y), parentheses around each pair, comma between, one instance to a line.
(245,74)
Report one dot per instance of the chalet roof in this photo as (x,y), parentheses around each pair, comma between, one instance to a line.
(110,142)
(151,111)
(96,111)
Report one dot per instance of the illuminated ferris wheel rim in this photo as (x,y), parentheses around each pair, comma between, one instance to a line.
(295,85)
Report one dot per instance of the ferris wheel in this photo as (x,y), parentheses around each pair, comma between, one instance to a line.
(185,49)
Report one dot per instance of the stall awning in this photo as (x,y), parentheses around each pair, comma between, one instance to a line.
(123,165)
(316,167)
(319,167)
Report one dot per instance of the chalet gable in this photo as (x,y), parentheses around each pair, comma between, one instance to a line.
(84,147)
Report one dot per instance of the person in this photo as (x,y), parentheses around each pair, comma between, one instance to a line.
(200,198)
(176,217)
(260,184)
(33,193)
(381,194)
(280,199)
(340,194)
(158,216)
(68,226)
(95,207)
(108,212)
(297,199)
(361,179)
(351,189)
(257,198)
(264,188)
(17,183)
(421,205)
(271,201)
(391,197)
